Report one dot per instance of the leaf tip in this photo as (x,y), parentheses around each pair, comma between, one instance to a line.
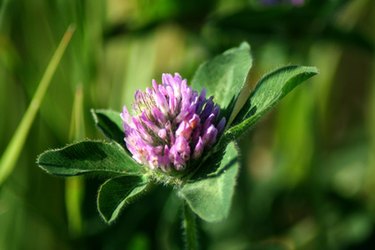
(107,219)
(41,163)
(94,115)
(312,70)
(245,45)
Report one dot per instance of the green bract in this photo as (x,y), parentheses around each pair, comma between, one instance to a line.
(209,187)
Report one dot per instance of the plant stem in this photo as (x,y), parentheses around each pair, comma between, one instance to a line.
(190,228)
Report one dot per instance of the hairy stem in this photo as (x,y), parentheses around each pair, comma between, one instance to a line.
(190,228)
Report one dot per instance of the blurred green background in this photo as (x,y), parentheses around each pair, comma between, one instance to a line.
(308,169)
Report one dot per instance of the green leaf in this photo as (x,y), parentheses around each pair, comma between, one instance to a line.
(87,157)
(269,90)
(109,122)
(116,193)
(224,76)
(210,197)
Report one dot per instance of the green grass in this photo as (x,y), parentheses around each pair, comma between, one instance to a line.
(307,174)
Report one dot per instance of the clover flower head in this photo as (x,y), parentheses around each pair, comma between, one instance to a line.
(171,124)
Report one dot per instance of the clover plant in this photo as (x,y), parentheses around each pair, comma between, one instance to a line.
(180,134)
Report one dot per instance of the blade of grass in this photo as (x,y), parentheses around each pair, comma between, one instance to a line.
(11,153)
(3,7)
(74,186)
(77,125)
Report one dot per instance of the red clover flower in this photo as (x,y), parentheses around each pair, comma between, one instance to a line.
(174,135)
(171,124)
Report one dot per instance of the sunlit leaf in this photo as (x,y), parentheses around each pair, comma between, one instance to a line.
(210,197)
(118,192)
(87,157)
(224,76)
(268,92)
(109,122)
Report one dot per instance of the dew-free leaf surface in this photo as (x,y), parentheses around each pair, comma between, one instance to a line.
(118,192)
(110,124)
(268,92)
(224,76)
(89,156)
(210,197)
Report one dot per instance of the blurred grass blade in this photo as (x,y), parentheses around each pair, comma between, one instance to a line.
(74,193)
(77,125)
(11,153)
(74,186)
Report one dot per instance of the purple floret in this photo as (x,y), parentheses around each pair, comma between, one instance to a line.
(170,124)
